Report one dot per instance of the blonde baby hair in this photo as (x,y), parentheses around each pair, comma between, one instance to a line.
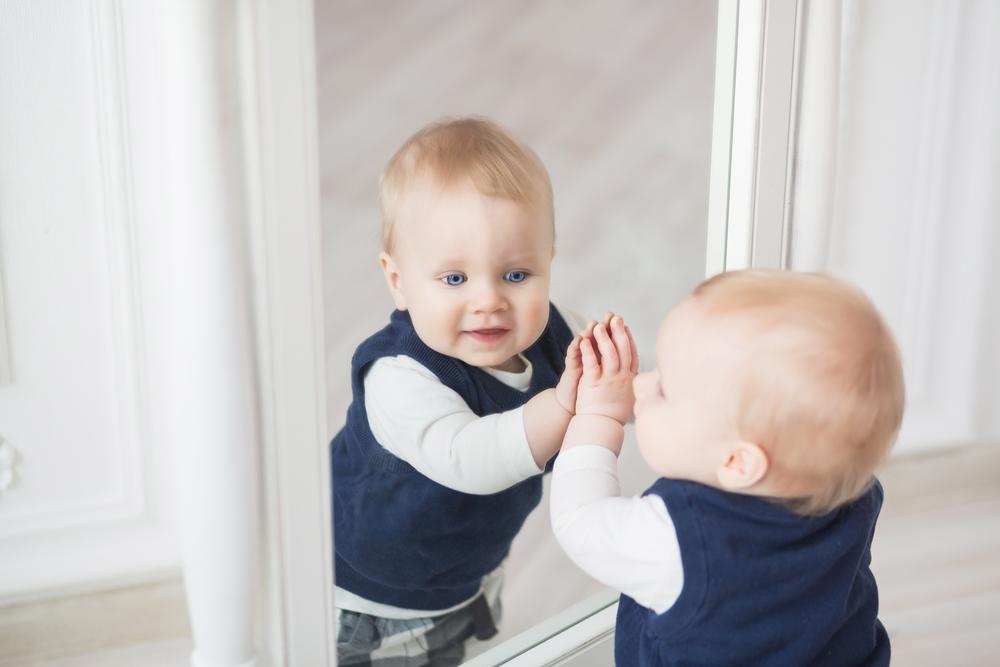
(819,386)
(454,149)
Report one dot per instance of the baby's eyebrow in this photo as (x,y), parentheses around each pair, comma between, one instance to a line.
(503,264)
(448,264)
(527,258)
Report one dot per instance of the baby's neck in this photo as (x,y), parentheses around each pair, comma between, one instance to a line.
(513,365)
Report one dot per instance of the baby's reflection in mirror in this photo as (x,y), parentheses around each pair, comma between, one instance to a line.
(458,404)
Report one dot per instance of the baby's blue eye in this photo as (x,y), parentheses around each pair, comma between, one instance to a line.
(515,276)
(454,279)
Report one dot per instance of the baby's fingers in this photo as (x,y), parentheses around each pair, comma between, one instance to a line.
(609,356)
(621,341)
(573,361)
(588,331)
(591,368)
(635,352)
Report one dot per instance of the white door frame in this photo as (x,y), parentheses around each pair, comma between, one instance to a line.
(276,77)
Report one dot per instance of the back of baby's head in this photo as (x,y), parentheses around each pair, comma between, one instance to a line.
(819,382)
(455,151)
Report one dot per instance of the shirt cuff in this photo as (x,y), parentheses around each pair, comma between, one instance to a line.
(586,457)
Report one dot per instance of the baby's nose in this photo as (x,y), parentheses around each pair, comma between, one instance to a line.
(488,299)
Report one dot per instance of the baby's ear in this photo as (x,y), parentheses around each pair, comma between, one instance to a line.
(393,279)
(745,465)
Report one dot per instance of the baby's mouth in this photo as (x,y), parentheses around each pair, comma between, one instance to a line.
(488,335)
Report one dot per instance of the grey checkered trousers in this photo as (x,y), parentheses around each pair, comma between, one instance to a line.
(435,641)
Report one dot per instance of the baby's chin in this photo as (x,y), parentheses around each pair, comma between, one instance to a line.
(500,362)
(479,359)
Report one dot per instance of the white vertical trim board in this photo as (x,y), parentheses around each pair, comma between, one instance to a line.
(778,70)
(756,60)
(743,146)
(722,135)
(278,90)
(815,143)
(6,372)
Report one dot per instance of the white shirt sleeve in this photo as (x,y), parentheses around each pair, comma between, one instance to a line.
(629,544)
(428,425)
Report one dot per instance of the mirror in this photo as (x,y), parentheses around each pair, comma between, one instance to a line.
(616,100)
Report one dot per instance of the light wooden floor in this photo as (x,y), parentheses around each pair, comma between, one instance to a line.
(143,625)
(936,557)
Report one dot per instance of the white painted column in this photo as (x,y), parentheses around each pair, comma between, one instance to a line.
(209,341)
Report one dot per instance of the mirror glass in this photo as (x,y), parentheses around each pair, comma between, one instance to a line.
(615,98)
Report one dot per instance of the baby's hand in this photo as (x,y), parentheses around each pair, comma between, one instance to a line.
(566,389)
(606,384)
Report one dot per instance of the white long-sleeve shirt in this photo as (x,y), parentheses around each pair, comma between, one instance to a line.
(428,425)
(629,544)
(425,423)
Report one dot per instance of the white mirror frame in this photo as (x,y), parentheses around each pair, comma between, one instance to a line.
(278,76)
(757,56)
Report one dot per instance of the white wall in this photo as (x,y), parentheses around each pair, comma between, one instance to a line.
(915,196)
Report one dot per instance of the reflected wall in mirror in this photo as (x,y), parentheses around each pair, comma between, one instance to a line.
(616,99)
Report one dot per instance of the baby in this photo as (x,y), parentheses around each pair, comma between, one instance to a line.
(775,397)
(458,403)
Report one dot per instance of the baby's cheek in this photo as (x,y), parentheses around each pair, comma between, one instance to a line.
(539,314)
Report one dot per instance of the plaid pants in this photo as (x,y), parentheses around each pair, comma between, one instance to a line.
(435,641)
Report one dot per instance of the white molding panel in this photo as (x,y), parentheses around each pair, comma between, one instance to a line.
(87,483)
(112,221)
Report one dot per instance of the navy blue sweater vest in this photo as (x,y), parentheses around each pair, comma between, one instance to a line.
(762,586)
(400,538)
